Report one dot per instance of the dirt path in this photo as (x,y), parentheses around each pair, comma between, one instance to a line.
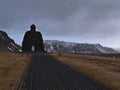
(47,73)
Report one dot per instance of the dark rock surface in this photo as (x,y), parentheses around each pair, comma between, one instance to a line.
(6,43)
(32,40)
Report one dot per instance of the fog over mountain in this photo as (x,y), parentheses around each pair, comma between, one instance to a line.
(83,21)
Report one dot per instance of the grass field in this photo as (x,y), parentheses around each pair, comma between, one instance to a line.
(105,70)
(11,67)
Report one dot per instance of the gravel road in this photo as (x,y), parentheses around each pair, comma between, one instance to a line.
(47,73)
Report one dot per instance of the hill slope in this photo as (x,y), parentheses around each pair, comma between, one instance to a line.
(6,43)
(69,47)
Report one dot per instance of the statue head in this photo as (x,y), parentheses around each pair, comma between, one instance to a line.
(33,27)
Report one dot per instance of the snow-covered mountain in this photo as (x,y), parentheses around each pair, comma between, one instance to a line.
(117,49)
(6,43)
(69,47)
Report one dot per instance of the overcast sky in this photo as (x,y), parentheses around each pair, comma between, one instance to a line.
(84,21)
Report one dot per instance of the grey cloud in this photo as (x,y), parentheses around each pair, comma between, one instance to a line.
(18,11)
(77,18)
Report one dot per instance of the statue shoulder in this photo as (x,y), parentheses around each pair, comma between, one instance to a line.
(38,32)
(27,32)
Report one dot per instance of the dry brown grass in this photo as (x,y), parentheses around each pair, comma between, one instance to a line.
(106,70)
(103,69)
(11,67)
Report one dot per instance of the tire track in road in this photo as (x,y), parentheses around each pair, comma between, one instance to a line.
(47,73)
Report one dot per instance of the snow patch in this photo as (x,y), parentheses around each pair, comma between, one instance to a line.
(101,49)
(10,49)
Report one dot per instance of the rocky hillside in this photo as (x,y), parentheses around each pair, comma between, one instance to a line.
(83,48)
(6,43)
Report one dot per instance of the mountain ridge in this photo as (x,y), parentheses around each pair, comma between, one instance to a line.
(72,47)
(6,43)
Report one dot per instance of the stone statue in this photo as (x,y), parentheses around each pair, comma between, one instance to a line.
(32,40)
